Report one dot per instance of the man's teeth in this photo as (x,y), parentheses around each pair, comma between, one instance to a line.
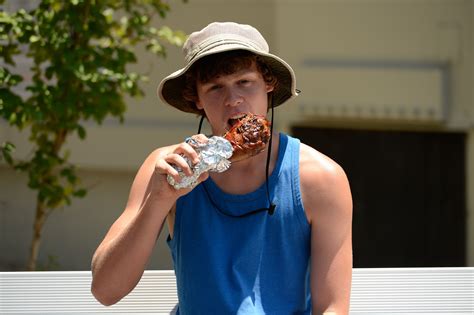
(238,116)
(234,119)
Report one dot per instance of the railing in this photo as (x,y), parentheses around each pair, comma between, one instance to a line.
(374,291)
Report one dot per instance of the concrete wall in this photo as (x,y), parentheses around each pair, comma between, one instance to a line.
(396,64)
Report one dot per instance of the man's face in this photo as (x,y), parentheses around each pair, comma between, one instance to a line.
(226,96)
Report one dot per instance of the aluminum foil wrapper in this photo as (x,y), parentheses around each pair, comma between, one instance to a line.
(214,157)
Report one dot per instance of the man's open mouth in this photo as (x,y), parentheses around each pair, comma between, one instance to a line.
(235,119)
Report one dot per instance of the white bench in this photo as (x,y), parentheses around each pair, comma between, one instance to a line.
(374,291)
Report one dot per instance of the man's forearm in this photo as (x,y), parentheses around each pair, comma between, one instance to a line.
(121,259)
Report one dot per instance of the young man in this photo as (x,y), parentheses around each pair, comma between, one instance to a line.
(231,256)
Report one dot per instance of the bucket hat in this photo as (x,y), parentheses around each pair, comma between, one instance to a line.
(219,37)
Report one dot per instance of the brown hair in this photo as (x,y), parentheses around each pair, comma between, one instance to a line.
(224,63)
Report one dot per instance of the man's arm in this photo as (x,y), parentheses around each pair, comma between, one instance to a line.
(328,205)
(121,258)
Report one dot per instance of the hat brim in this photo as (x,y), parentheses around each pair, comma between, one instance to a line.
(170,88)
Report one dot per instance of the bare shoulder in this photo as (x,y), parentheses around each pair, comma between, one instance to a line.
(324,185)
(318,171)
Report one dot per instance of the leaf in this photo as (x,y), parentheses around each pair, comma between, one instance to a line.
(34,38)
(81,131)
(7,150)
(69,174)
(12,118)
(173,37)
(9,79)
(109,15)
(80,193)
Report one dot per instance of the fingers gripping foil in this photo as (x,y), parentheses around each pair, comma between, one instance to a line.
(214,156)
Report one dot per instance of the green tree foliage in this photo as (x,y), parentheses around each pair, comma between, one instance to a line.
(79,52)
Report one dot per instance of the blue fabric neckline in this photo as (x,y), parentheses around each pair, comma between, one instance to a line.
(239,204)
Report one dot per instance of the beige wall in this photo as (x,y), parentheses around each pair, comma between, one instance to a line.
(415,69)
(378,59)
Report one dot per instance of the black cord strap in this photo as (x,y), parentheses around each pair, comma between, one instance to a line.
(272,206)
(200,124)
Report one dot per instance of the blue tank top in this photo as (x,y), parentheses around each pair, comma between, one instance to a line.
(257,264)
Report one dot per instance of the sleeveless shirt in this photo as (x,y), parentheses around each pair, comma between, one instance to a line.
(257,264)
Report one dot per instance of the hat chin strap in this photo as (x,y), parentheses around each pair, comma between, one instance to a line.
(271,206)
(200,124)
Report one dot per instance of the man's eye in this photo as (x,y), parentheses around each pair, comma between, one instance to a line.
(214,87)
(244,81)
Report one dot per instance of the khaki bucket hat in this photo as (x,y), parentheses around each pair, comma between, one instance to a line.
(219,37)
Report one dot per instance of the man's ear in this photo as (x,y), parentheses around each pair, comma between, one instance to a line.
(270,88)
(198,104)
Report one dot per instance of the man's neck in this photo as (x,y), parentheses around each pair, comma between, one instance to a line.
(247,175)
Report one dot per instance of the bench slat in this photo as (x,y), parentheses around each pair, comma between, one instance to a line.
(374,291)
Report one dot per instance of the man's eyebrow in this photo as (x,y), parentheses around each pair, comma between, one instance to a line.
(213,80)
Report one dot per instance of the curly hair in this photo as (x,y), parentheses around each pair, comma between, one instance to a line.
(224,63)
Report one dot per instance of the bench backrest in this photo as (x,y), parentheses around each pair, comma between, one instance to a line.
(374,291)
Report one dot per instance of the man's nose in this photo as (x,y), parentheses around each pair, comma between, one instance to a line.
(233,98)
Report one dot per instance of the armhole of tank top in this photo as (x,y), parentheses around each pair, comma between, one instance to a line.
(298,201)
(172,241)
